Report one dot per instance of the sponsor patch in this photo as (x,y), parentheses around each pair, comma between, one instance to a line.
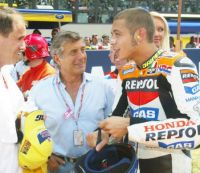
(188,76)
(151,71)
(128,71)
(169,125)
(151,60)
(42,136)
(190,99)
(192,90)
(145,84)
(178,145)
(164,68)
(39,117)
(26,146)
(147,113)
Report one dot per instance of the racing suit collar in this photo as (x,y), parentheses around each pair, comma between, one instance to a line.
(148,62)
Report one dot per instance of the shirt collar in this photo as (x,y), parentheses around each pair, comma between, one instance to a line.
(86,78)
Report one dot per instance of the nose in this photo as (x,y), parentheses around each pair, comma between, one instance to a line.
(112,41)
(22,46)
(81,54)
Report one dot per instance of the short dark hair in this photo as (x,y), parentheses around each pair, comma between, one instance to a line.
(136,18)
(7,16)
(105,35)
(37,31)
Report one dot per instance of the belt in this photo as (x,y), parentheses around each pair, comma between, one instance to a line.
(67,159)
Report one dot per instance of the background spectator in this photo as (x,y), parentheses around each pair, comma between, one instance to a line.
(191,43)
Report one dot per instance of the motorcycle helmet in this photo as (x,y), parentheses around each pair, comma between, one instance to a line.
(114,158)
(36,47)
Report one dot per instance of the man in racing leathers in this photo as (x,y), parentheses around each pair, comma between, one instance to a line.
(164,96)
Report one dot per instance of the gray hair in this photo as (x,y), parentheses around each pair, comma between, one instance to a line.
(7,16)
(62,38)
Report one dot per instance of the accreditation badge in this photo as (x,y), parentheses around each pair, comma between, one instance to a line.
(78,137)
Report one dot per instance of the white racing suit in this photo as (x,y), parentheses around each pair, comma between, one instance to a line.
(164,98)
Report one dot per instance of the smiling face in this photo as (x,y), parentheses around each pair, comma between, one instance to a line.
(73,59)
(121,42)
(12,45)
(159,32)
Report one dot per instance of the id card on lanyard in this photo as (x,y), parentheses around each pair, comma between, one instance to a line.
(77,134)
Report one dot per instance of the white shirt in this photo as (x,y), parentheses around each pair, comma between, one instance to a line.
(11,99)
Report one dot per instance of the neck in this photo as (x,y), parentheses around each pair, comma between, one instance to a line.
(35,63)
(141,56)
(72,84)
(71,80)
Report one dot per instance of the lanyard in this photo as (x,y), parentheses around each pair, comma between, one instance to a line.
(69,112)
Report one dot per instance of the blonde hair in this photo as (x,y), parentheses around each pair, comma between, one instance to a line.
(165,44)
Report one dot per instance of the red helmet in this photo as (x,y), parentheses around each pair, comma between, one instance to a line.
(36,47)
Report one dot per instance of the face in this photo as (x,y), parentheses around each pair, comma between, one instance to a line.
(95,39)
(121,42)
(87,41)
(159,32)
(106,40)
(73,60)
(12,46)
(53,34)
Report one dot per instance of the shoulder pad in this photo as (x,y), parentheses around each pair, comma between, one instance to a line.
(184,62)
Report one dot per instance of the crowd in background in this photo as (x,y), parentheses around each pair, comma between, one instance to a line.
(98,42)
(102,11)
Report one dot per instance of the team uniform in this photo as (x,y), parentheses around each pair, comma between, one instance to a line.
(34,74)
(36,49)
(163,95)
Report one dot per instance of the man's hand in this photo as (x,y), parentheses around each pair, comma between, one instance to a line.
(54,162)
(115,126)
(92,139)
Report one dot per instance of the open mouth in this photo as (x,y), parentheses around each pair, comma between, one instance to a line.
(114,54)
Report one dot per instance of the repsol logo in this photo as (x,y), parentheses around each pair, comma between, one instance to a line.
(185,132)
(145,112)
(192,90)
(141,84)
(189,76)
(178,145)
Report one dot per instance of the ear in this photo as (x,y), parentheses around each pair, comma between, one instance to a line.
(57,58)
(140,35)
